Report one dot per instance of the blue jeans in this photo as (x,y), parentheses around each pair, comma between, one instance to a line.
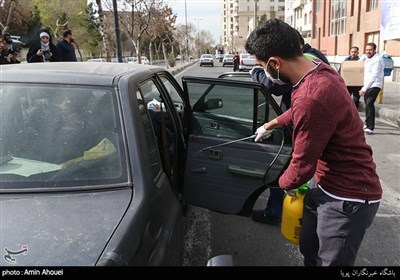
(275,203)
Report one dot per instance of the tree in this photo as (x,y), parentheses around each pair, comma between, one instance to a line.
(204,42)
(183,39)
(13,17)
(161,30)
(53,17)
(91,26)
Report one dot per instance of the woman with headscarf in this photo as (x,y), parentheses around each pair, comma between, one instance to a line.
(42,50)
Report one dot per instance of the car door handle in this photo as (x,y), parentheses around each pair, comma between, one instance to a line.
(199,170)
(244,171)
(214,125)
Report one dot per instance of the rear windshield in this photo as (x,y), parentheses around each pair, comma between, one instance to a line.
(59,136)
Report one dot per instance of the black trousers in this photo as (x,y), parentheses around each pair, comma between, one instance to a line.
(353,90)
(369,99)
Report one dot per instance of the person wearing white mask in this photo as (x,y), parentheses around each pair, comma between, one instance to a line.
(329,146)
(42,50)
(272,213)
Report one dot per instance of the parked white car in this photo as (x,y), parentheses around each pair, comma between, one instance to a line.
(206,59)
(246,62)
(133,59)
(96,60)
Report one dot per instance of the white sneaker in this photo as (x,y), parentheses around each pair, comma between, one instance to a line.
(365,126)
(368,131)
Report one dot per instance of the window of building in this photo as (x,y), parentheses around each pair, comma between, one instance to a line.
(338,17)
(272,8)
(317,5)
(373,37)
(372,5)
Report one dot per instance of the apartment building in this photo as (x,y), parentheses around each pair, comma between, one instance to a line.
(334,26)
(238,16)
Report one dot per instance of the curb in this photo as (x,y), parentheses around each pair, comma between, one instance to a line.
(383,113)
(181,68)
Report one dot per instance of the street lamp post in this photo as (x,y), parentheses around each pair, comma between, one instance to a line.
(187,36)
(198,30)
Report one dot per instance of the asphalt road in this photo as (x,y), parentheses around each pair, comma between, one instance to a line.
(252,244)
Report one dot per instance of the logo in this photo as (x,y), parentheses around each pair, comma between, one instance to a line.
(9,253)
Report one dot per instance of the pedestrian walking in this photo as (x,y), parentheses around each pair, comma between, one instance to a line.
(354,90)
(236,58)
(373,83)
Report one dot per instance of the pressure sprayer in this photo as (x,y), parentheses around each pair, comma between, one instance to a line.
(292,214)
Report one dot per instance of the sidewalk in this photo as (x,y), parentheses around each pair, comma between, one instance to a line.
(389,109)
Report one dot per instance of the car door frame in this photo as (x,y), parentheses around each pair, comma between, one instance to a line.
(200,191)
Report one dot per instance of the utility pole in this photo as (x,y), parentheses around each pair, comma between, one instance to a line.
(117,34)
(187,36)
(198,30)
(255,14)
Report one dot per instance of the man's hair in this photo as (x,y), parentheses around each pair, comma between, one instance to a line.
(274,38)
(373,45)
(66,33)
(355,47)
(300,38)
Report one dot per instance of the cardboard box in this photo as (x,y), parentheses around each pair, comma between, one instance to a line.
(353,73)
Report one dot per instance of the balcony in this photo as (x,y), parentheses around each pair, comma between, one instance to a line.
(298,3)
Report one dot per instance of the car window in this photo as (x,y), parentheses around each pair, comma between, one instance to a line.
(59,136)
(227,110)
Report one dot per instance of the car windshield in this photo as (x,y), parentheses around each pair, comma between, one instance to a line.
(59,136)
(206,56)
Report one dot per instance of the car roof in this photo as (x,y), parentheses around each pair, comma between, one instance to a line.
(72,72)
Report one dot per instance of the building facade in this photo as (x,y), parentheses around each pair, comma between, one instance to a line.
(238,16)
(334,26)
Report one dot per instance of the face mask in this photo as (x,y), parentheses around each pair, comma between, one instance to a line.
(277,81)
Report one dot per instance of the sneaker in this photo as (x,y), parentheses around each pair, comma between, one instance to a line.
(259,216)
(365,126)
(368,131)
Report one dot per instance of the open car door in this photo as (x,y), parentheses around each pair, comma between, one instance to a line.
(229,177)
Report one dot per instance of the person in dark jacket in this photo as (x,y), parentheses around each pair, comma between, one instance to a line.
(66,50)
(272,214)
(236,58)
(42,50)
(354,90)
(6,55)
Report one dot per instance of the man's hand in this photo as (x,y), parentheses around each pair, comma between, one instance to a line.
(361,93)
(262,134)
